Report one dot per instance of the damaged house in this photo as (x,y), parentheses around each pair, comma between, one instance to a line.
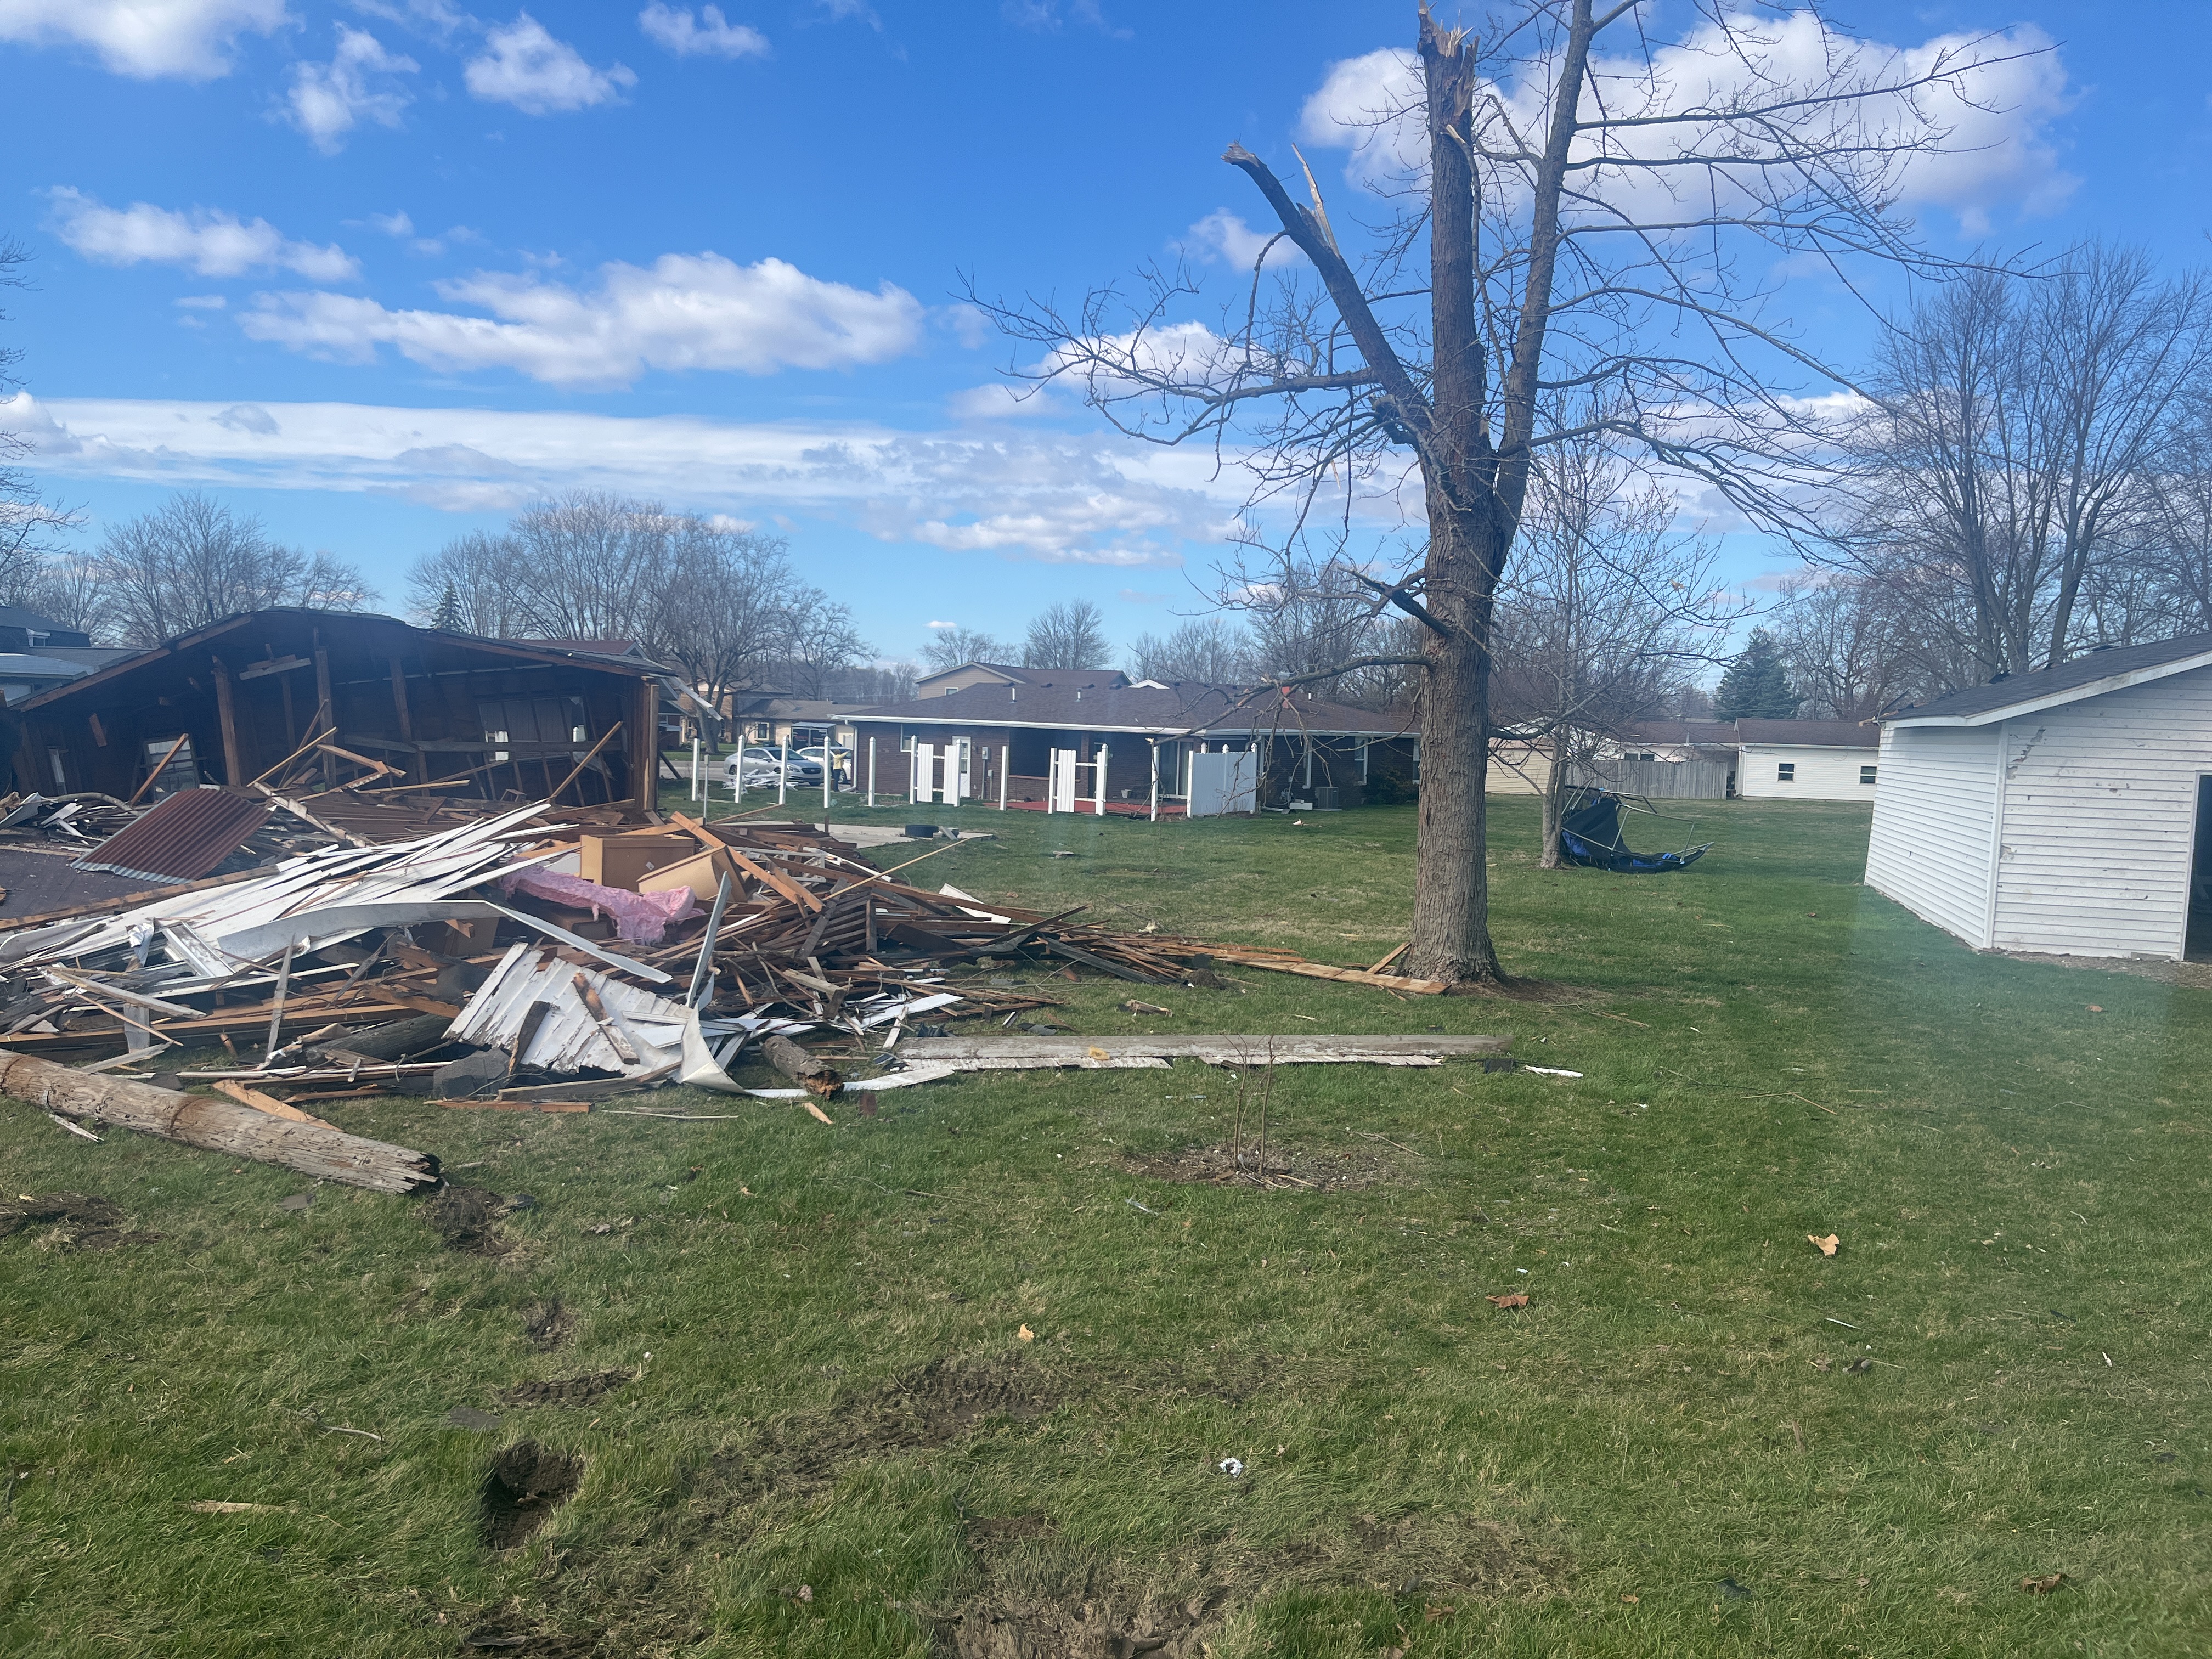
(235,701)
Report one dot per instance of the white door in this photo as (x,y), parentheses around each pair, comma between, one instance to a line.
(923,784)
(1061,784)
(958,781)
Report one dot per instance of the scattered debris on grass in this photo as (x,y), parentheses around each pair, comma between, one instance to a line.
(1825,1246)
(2043,1585)
(1510,1299)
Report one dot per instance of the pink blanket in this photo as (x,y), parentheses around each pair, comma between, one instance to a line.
(640,918)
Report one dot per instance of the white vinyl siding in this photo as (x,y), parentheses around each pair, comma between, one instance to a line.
(2099,809)
(1934,819)
(1818,773)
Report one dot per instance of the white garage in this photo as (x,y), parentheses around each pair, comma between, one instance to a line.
(1805,760)
(2064,811)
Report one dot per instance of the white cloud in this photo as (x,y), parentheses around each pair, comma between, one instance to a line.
(205,240)
(1000,400)
(145,39)
(940,624)
(328,101)
(1090,500)
(526,67)
(1997,151)
(200,301)
(709,35)
(1224,236)
(685,312)
(394,224)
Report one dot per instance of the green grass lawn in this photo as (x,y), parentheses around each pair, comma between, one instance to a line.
(841,1444)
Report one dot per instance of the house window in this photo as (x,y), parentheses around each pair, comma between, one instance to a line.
(1785,772)
(1364,748)
(1866,775)
(61,769)
(1647,755)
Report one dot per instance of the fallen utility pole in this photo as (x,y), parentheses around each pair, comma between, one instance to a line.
(220,1126)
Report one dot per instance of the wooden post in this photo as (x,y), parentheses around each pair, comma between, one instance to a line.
(418,769)
(1156,781)
(1098,804)
(226,709)
(220,1126)
(644,740)
(328,712)
(1006,766)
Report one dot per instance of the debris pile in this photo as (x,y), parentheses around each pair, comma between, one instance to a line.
(543,957)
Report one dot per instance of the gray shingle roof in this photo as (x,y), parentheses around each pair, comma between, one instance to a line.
(1809,734)
(2086,676)
(1185,706)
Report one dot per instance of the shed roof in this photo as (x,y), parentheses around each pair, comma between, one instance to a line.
(2108,668)
(1154,711)
(349,632)
(1021,676)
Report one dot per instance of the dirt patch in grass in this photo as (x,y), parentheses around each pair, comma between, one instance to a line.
(933,1405)
(566,1390)
(1293,1168)
(79,1221)
(526,1483)
(465,1218)
(2196,975)
(548,1324)
(1035,1597)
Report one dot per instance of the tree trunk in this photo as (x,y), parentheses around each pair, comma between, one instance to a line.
(219,1126)
(1555,796)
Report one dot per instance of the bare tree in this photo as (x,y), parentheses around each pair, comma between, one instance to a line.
(477,583)
(71,590)
(2166,587)
(729,608)
(1210,650)
(592,561)
(1603,617)
(1592,200)
(194,562)
(2015,428)
(1316,624)
(28,522)
(949,647)
(824,644)
(1068,633)
(1848,644)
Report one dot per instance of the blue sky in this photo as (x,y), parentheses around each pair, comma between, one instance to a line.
(381,271)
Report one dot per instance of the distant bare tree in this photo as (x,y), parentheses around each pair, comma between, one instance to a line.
(2015,428)
(29,524)
(2167,587)
(1602,207)
(1605,615)
(1847,645)
(824,644)
(592,564)
(1069,633)
(194,561)
(1210,650)
(949,647)
(1317,625)
(72,590)
(476,583)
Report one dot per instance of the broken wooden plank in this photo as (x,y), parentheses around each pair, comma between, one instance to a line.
(1274,964)
(1090,1053)
(269,1104)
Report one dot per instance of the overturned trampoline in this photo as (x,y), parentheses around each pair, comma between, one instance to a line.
(1590,835)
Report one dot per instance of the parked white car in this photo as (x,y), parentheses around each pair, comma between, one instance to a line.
(759,768)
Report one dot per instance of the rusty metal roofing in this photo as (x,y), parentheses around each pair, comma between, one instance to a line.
(181,839)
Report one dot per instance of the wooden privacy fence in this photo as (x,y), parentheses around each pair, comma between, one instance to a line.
(1660,780)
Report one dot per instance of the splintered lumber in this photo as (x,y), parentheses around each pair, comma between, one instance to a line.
(1014,1053)
(1281,964)
(220,1126)
(815,1076)
(269,1104)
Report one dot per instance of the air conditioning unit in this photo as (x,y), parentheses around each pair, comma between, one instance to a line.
(1325,800)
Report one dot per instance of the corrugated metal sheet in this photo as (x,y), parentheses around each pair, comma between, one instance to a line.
(182,839)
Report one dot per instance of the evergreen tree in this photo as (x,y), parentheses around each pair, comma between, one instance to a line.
(1756,686)
(448,616)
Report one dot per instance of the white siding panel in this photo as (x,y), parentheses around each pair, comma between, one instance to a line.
(1822,774)
(2100,805)
(1934,819)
